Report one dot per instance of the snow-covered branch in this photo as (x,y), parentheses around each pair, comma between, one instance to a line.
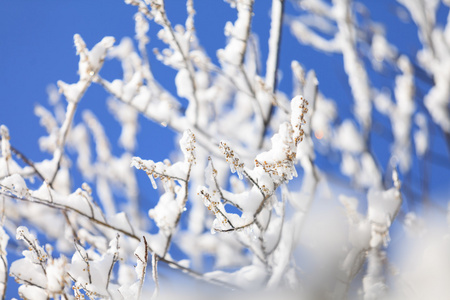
(264,191)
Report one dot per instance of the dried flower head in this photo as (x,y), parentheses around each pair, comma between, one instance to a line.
(299,109)
(232,159)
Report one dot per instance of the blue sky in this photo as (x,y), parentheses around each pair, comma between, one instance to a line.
(36,49)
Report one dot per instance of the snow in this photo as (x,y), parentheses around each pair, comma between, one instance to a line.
(383,206)
(401,117)
(248,277)
(234,51)
(4,132)
(46,118)
(187,146)
(98,242)
(373,283)
(157,242)
(165,171)
(127,116)
(120,221)
(129,291)
(383,103)
(421,135)
(30,268)
(281,257)
(183,83)
(141,261)
(141,28)
(381,49)
(98,53)
(166,213)
(267,242)
(348,138)
(4,238)
(370,175)
(72,92)
(10,166)
(16,184)
(278,161)
(102,147)
(232,159)
(56,270)
(306,36)
(91,270)
(127,274)
(298,110)
(357,75)
(273,231)
(414,225)
(106,196)
(32,292)
(80,134)
(275,30)
(248,201)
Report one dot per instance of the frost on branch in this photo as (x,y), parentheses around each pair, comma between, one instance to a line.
(91,272)
(172,202)
(260,221)
(187,145)
(383,207)
(299,109)
(15,184)
(6,151)
(238,33)
(232,159)
(8,166)
(400,113)
(41,276)
(128,117)
(4,262)
(278,162)
(369,233)
(167,171)
(89,65)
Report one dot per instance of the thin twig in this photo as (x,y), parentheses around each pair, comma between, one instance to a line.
(10,193)
(65,127)
(187,63)
(272,60)
(155,275)
(5,279)
(177,221)
(85,259)
(204,139)
(26,160)
(219,189)
(114,260)
(144,261)
(196,274)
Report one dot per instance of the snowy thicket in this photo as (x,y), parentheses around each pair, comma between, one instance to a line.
(243,204)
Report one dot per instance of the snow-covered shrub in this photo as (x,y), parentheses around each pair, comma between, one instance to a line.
(245,186)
